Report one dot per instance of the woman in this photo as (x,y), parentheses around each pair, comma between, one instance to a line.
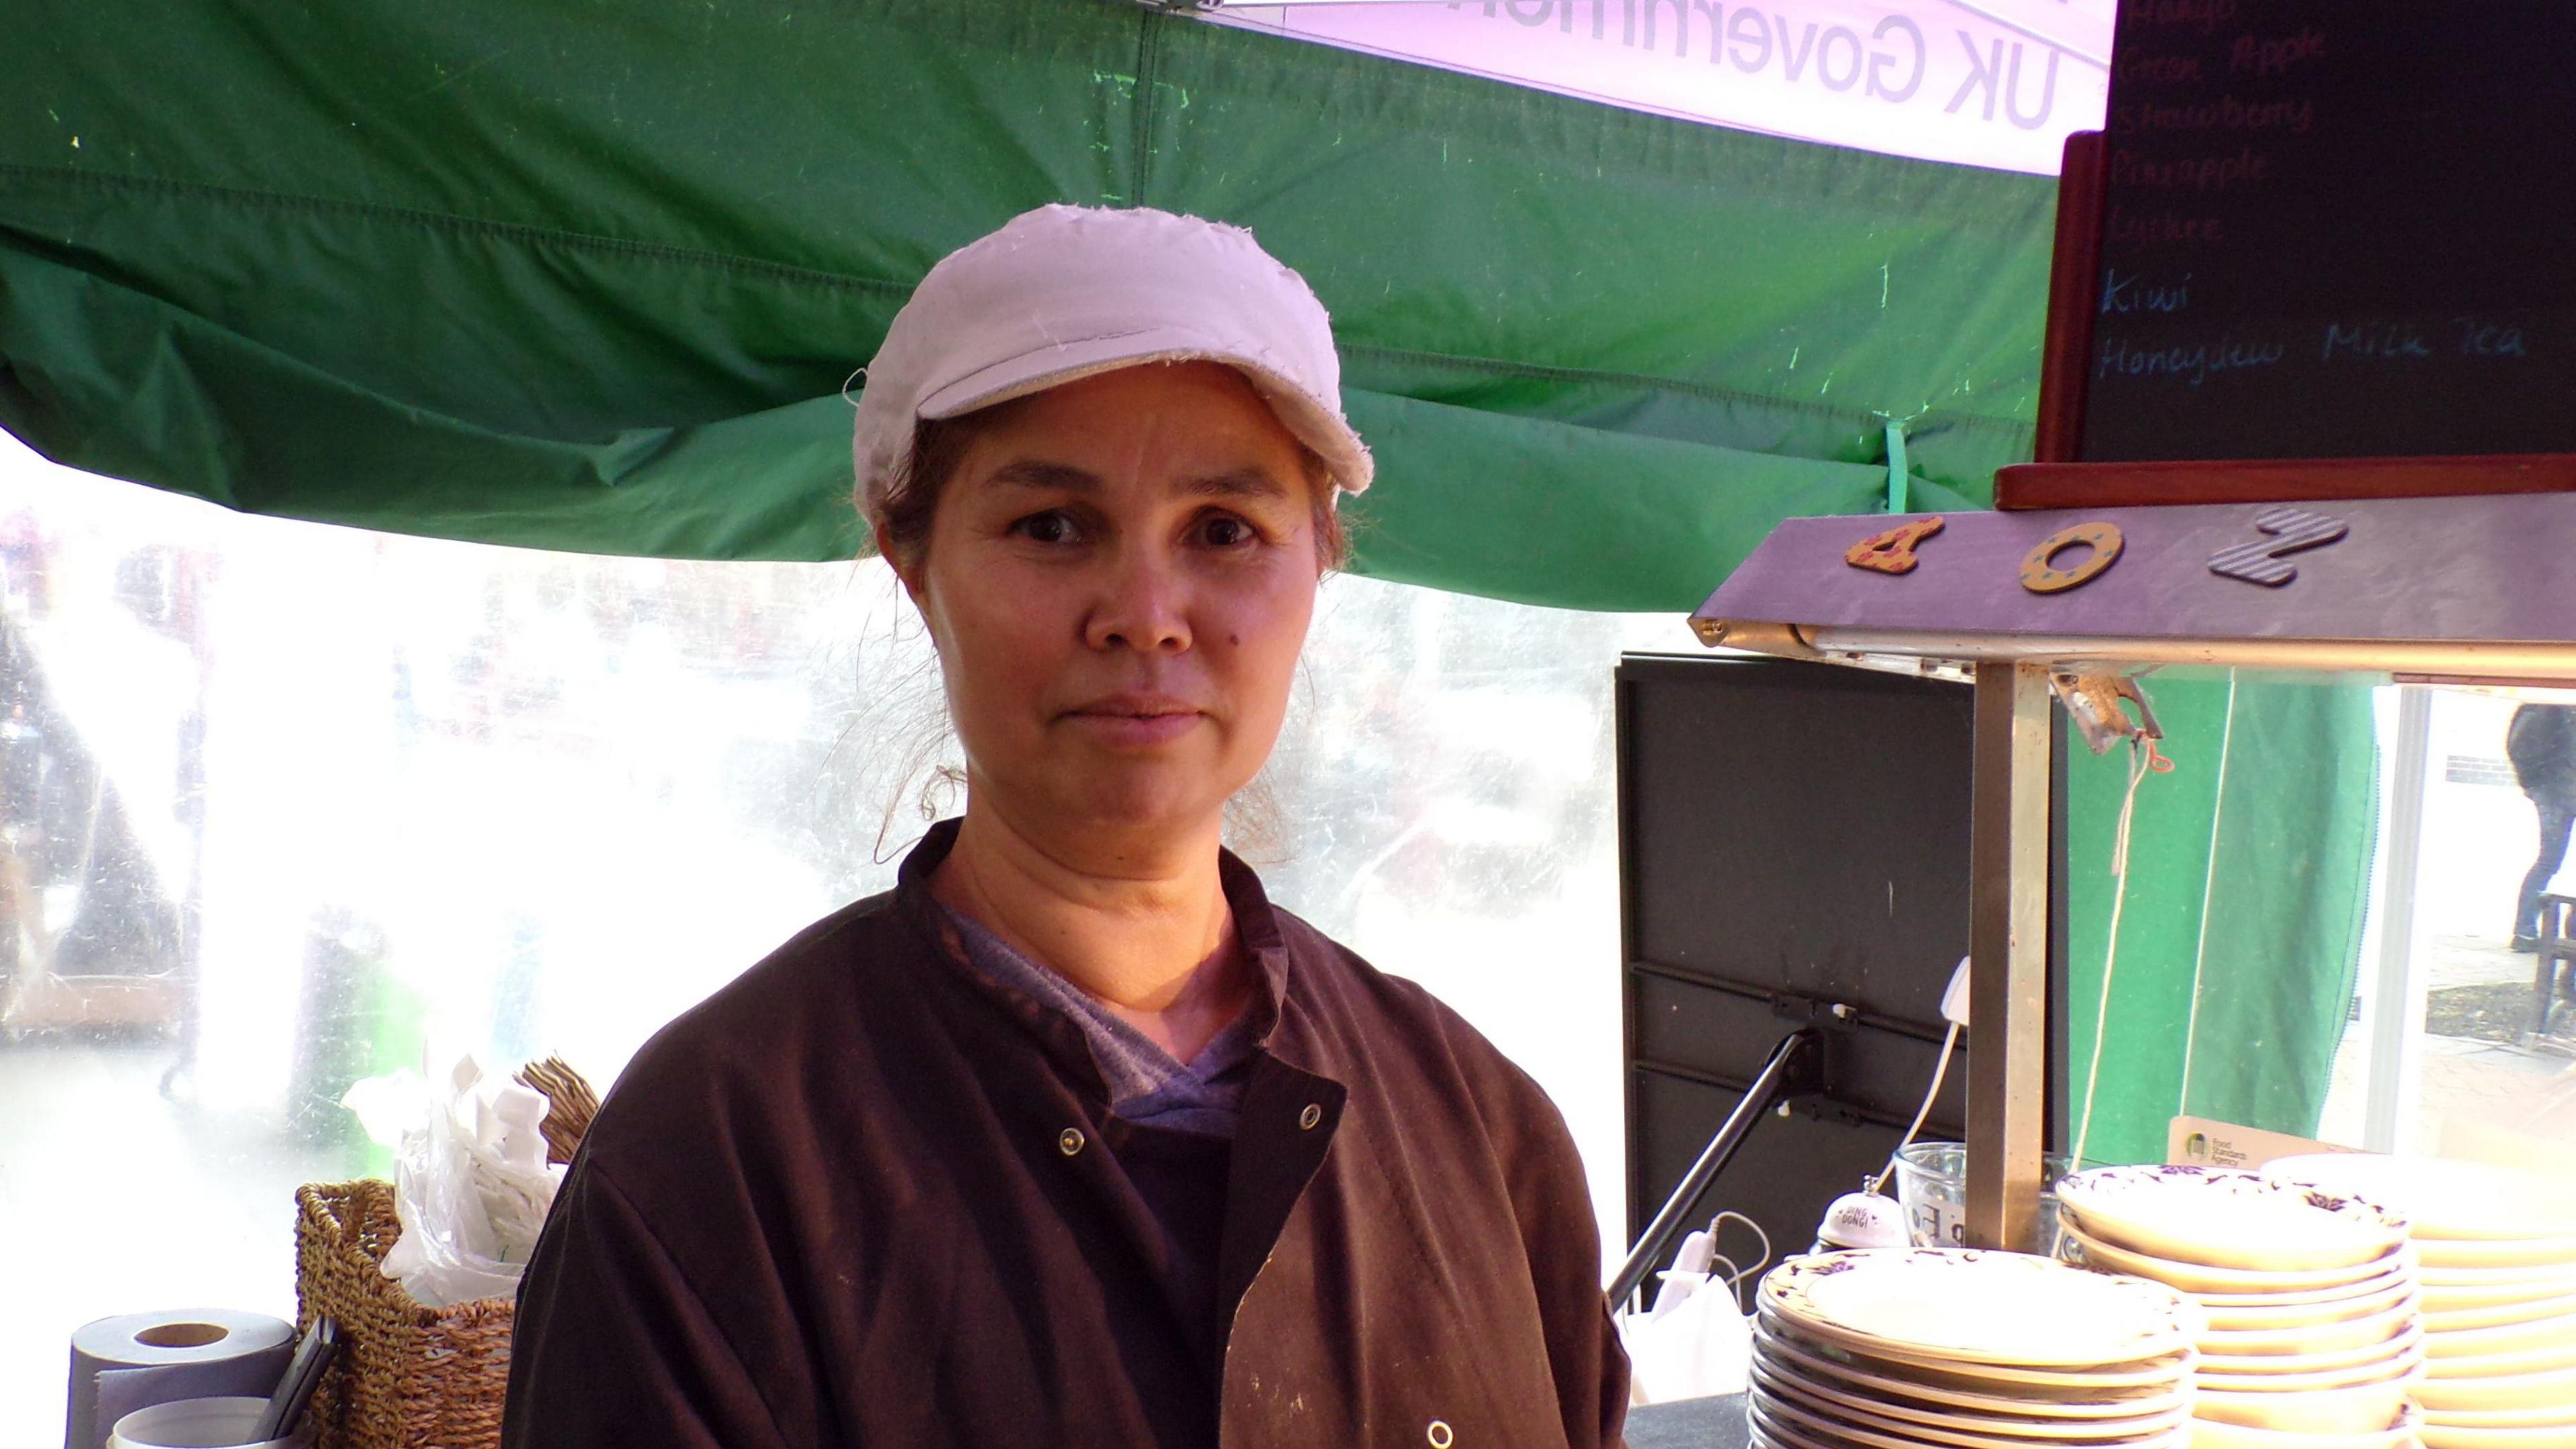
(1073,1138)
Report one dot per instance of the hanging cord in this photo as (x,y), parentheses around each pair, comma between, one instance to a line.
(1733,1276)
(1736,1276)
(2143,757)
(1940,1069)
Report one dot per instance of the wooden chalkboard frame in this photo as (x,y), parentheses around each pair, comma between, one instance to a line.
(2058,478)
(2074,269)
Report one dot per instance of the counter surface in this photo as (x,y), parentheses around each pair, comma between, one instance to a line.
(1691,1424)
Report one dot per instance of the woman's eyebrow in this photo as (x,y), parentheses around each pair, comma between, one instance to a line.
(1246,482)
(1036,473)
(1252,481)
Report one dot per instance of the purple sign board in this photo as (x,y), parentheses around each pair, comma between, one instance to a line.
(2453,570)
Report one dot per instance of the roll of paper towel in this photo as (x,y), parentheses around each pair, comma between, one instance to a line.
(137,1360)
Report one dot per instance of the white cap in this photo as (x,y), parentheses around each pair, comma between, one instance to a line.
(1063,292)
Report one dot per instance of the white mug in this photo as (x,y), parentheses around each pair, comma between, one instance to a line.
(201,1424)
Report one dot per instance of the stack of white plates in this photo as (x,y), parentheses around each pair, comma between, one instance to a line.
(1893,1348)
(2314,1337)
(2498,1249)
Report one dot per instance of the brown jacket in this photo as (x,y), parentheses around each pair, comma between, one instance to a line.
(843,1203)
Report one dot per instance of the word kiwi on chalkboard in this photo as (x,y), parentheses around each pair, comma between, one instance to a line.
(2335,229)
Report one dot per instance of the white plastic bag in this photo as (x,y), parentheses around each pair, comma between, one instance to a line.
(471,1180)
(1695,1342)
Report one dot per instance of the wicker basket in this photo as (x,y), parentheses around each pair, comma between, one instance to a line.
(408,1376)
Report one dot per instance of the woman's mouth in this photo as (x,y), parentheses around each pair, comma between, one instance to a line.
(1136,720)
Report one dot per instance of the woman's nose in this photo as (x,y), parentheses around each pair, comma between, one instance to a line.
(1140,606)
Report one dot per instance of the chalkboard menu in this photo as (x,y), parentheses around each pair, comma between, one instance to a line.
(2334,229)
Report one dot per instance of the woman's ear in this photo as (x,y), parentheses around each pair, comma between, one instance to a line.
(894,560)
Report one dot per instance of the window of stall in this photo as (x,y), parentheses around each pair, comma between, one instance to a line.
(2320,926)
(287,806)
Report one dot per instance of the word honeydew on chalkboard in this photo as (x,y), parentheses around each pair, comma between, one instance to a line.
(2336,228)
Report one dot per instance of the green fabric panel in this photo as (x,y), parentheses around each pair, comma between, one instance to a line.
(584,276)
(1590,520)
(2286,903)
(123,383)
(2240,935)
(1530,253)
(161,380)
(865,139)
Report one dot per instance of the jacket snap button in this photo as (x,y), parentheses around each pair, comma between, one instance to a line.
(1439,1436)
(1069,1141)
(1308,1119)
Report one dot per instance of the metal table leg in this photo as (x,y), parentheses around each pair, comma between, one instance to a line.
(2008,951)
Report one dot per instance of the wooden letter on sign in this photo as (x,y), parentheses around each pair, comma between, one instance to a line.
(2294,530)
(2040,573)
(1892,552)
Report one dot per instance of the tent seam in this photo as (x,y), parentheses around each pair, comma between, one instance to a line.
(1149,48)
(449,221)
(1548,372)
(664,251)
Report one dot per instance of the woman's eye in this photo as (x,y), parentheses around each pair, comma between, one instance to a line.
(1049,527)
(1223,531)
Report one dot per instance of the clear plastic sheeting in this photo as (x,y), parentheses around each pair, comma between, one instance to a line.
(2449,1053)
(1981,82)
(349,802)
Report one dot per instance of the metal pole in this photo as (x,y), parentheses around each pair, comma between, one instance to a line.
(2008,950)
(2393,1017)
(1767,1088)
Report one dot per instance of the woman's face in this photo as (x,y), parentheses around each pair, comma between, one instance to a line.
(1119,576)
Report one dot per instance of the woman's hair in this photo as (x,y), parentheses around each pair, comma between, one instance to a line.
(939,447)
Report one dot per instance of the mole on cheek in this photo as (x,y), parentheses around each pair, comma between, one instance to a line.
(1234,639)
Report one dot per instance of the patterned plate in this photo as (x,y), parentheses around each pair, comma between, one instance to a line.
(2447,1199)
(2221,1218)
(1901,1383)
(1901,1416)
(2023,1379)
(1966,1306)
(2209,1434)
(2310,1338)
(2473,1317)
(2202,1278)
(2453,1436)
(2217,1367)
(1793,1425)
(2514,1391)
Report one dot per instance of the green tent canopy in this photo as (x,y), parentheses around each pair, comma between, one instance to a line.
(574,274)
(590,276)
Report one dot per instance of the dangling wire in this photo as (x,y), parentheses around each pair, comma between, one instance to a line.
(1735,1278)
(2143,757)
(1949,1043)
